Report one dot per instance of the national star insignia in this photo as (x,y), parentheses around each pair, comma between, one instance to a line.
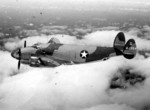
(84,54)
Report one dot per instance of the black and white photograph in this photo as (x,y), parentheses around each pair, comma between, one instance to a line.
(74,54)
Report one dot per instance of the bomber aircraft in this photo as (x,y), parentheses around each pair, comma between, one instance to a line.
(54,53)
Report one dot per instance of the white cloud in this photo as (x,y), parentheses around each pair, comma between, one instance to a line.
(50,88)
(74,87)
(50,30)
(27,33)
(8,65)
(110,28)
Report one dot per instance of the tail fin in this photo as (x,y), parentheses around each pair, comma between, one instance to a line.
(119,43)
(129,51)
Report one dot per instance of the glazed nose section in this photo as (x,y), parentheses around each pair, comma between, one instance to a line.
(15,54)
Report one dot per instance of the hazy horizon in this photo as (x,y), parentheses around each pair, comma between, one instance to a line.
(73,12)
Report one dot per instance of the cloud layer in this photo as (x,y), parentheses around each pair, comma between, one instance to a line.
(73,87)
(98,37)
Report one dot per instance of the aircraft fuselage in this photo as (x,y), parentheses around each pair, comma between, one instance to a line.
(63,54)
(54,53)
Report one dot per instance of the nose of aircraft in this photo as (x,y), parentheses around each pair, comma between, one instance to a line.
(15,54)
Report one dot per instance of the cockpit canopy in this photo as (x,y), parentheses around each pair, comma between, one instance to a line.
(37,45)
(41,45)
(54,41)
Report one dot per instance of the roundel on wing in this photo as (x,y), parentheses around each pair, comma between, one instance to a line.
(84,54)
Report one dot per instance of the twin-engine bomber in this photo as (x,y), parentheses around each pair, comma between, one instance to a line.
(54,53)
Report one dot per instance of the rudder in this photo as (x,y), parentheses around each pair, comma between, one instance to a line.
(119,43)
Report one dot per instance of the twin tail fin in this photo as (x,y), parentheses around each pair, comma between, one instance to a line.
(128,50)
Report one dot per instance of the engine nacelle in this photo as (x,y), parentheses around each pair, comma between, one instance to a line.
(34,61)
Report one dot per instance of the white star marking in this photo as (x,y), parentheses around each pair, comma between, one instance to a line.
(84,54)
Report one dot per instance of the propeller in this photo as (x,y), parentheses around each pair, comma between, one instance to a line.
(25,43)
(19,53)
(19,62)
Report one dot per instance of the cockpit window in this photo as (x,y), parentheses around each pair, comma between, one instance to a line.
(36,45)
(40,45)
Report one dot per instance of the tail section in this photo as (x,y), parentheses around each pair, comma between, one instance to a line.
(129,51)
(119,43)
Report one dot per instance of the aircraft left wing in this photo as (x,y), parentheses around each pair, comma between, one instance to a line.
(52,61)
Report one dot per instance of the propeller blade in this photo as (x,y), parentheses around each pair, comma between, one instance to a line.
(19,62)
(19,52)
(25,43)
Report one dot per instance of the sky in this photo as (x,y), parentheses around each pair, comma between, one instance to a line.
(75,5)
(139,3)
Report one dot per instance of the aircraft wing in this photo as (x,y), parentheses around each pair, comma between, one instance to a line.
(52,61)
